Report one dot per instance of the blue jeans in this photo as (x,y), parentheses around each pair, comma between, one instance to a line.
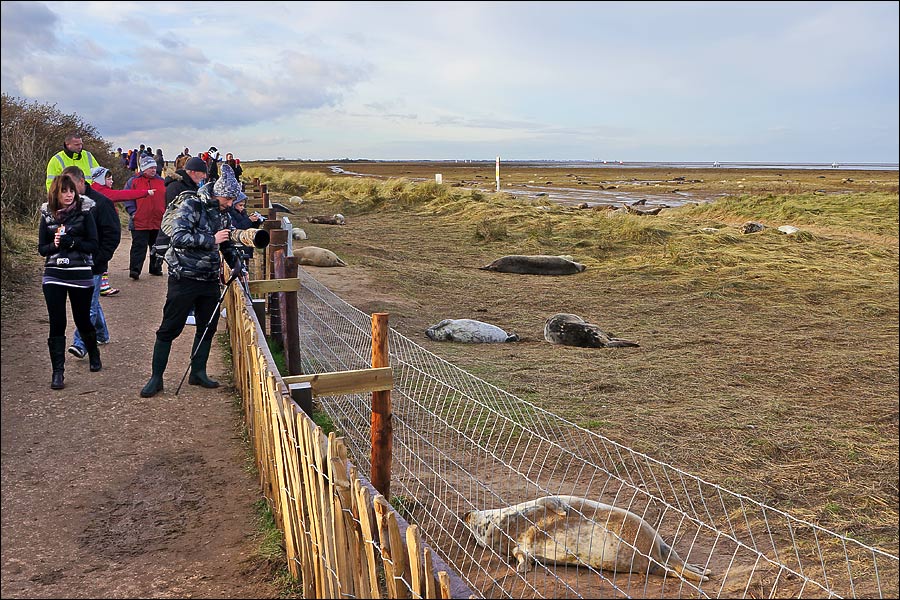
(97,317)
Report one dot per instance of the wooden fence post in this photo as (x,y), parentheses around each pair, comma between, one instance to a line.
(382,428)
(277,241)
(302,395)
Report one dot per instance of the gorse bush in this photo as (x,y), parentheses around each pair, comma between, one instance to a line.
(31,134)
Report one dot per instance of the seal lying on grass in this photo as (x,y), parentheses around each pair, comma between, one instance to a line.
(317,257)
(577,531)
(538,264)
(572,330)
(468,331)
(337,219)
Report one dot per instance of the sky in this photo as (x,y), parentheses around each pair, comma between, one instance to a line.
(632,81)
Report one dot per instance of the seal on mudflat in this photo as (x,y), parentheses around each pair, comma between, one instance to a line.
(468,331)
(577,531)
(537,264)
(317,257)
(572,330)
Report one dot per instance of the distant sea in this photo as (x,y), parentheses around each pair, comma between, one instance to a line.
(599,164)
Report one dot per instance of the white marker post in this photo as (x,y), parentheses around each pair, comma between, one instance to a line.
(438,178)
(498,173)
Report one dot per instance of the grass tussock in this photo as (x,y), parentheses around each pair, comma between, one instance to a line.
(846,237)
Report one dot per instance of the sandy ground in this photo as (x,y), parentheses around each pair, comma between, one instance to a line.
(106,494)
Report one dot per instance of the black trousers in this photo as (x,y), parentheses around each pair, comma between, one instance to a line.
(183,295)
(141,240)
(80,298)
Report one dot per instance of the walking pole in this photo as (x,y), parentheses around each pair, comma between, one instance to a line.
(235,273)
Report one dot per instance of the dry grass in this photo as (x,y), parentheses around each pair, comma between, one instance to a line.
(768,363)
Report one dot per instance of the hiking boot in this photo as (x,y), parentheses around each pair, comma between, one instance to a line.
(134,275)
(77,352)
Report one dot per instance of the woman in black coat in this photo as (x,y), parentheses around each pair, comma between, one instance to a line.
(67,238)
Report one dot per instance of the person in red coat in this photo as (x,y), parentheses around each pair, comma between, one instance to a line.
(103,181)
(145,218)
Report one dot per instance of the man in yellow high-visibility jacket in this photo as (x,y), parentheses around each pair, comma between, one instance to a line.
(71,154)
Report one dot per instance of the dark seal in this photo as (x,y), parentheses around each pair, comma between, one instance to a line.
(538,264)
(572,330)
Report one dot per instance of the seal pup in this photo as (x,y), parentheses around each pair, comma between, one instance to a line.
(572,330)
(537,264)
(337,219)
(577,531)
(317,257)
(298,233)
(468,331)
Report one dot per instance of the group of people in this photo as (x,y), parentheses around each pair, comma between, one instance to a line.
(80,231)
(131,159)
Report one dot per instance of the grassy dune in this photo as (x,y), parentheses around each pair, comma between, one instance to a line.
(768,362)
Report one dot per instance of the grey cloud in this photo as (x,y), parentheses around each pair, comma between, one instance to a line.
(27,27)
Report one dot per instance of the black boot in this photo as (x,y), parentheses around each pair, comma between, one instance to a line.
(93,350)
(156,263)
(57,346)
(198,364)
(160,360)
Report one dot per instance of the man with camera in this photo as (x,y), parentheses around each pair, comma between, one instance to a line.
(201,229)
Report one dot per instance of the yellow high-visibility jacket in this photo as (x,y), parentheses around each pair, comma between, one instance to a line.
(59,161)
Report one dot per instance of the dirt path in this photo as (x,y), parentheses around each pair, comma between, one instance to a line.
(107,494)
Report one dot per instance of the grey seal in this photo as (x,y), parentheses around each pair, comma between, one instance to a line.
(468,331)
(573,530)
(571,330)
(317,257)
(537,264)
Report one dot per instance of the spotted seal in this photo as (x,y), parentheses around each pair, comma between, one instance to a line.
(537,264)
(577,531)
(572,330)
(468,331)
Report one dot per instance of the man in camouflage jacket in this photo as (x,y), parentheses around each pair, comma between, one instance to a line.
(201,230)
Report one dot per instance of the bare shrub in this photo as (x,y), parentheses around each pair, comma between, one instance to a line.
(31,134)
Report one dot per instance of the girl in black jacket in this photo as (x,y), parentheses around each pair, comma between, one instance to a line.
(67,237)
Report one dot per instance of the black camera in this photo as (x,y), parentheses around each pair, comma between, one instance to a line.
(258,238)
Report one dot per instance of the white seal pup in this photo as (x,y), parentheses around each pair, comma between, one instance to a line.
(468,331)
(537,264)
(572,330)
(577,531)
(317,257)
(298,233)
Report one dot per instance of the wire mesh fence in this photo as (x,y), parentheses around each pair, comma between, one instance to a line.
(463,445)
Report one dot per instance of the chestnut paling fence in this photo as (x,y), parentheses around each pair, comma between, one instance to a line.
(462,444)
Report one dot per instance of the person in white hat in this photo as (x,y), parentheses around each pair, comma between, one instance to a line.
(145,218)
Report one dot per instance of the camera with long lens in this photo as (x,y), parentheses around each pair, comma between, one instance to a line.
(258,238)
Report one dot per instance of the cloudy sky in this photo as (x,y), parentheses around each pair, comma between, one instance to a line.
(642,81)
